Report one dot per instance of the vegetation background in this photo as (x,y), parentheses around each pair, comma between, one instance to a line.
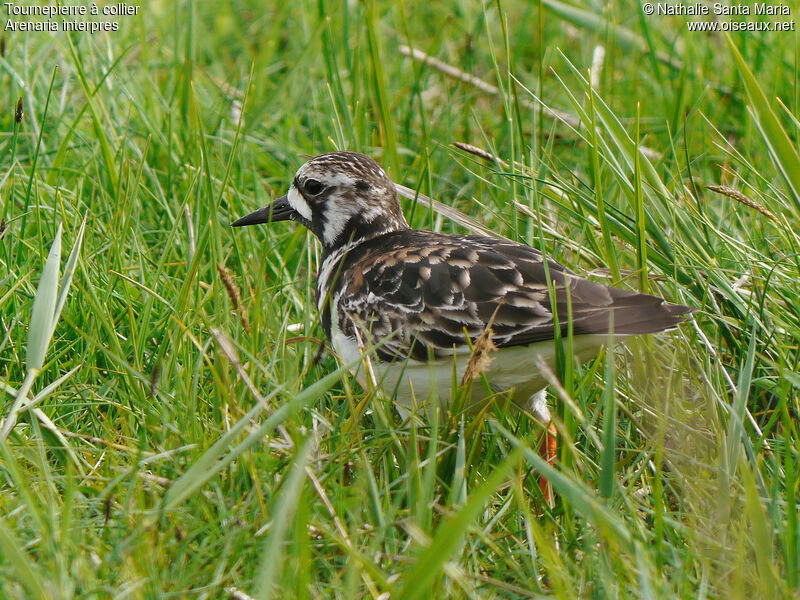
(167,431)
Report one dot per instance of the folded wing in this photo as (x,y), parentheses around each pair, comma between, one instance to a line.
(427,296)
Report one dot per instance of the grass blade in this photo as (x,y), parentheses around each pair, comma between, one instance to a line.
(736,423)
(761,538)
(102,126)
(21,562)
(47,306)
(448,537)
(609,431)
(49,389)
(781,148)
(272,555)
(31,176)
(215,459)
(44,306)
(379,86)
(590,21)
(790,536)
(575,493)
(66,276)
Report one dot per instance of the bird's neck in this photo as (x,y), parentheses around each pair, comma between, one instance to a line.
(358,231)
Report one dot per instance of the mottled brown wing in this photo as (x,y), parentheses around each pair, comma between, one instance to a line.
(428,292)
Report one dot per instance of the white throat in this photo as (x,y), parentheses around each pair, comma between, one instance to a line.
(327,273)
(298,203)
(335,222)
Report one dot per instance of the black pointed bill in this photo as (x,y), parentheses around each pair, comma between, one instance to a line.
(280,210)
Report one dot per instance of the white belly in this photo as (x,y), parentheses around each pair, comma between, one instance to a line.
(415,384)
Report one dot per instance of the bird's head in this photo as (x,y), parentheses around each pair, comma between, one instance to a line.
(341,197)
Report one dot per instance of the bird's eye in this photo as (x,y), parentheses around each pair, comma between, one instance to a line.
(313,187)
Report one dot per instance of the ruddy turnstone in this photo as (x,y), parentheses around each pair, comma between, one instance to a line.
(418,297)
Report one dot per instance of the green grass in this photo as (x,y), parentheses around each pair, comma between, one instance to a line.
(172,441)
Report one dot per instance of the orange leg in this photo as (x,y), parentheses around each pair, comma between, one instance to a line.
(548,450)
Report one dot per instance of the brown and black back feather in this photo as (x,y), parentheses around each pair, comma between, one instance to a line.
(427,292)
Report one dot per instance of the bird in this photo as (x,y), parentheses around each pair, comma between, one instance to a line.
(416,302)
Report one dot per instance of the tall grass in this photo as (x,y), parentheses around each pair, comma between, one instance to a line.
(170,437)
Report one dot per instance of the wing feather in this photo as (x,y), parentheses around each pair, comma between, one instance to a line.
(424,294)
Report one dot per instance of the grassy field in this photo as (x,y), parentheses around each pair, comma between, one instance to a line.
(169,428)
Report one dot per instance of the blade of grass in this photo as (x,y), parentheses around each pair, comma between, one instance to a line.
(781,148)
(736,432)
(35,162)
(641,219)
(39,333)
(64,146)
(791,537)
(610,258)
(575,493)
(285,506)
(760,536)
(44,307)
(66,276)
(590,21)
(49,389)
(607,457)
(101,125)
(379,87)
(418,581)
(21,562)
(47,307)
(215,458)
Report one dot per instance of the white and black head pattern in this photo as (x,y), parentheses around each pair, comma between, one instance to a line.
(345,197)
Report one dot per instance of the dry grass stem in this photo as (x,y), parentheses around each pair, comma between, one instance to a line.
(481,356)
(234,294)
(484,86)
(189,231)
(237,594)
(484,154)
(449,212)
(740,197)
